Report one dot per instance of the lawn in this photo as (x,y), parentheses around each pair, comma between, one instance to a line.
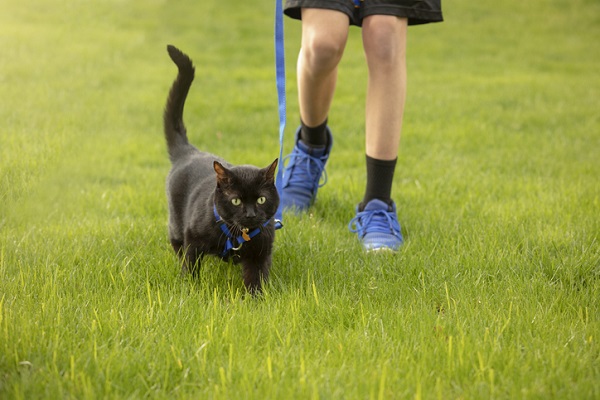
(495,294)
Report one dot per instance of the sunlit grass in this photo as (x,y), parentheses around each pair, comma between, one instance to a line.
(494,295)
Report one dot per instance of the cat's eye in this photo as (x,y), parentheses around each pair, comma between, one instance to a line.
(261,200)
(236,201)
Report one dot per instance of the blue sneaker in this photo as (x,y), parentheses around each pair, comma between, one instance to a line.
(302,174)
(377,226)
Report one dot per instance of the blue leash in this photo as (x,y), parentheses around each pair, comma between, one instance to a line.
(280,78)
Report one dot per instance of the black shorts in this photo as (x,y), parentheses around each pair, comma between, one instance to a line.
(417,11)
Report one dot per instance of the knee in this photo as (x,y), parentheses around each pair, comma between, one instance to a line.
(322,53)
(385,41)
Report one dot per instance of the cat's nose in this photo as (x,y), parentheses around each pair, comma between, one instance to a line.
(250,212)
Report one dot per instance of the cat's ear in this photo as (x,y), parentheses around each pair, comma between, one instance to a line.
(222,173)
(270,171)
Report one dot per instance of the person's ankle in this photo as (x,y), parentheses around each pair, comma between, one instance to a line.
(316,136)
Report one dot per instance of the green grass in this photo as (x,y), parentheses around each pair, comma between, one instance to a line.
(496,293)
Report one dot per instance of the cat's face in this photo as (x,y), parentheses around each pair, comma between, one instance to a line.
(246,196)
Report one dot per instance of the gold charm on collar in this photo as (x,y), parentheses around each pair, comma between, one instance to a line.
(245,234)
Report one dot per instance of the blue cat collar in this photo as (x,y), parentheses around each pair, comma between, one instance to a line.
(231,238)
(278,224)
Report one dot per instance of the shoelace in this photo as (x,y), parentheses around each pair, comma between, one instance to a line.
(305,177)
(374,221)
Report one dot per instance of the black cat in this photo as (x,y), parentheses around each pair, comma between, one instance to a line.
(214,207)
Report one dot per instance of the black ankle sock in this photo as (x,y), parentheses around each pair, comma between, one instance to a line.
(314,136)
(380,176)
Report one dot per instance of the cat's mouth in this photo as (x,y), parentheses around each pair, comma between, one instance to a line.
(248,224)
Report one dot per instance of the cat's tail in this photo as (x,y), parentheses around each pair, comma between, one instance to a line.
(175,131)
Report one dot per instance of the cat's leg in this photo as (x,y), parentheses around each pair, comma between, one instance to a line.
(255,272)
(192,261)
(177,245)
(175,238)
